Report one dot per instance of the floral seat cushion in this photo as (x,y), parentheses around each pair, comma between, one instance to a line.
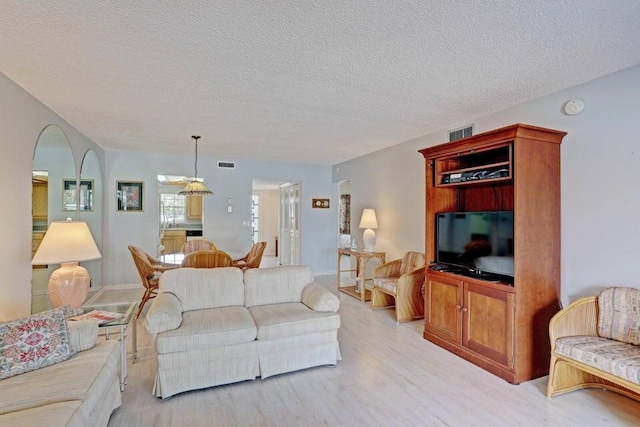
(611,356)
(388,283)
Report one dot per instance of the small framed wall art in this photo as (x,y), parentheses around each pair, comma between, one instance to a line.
(320,203)
(130,196)
(71,196)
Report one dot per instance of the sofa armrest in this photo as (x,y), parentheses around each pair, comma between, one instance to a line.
(579,318)
(164,314)
(318,298)
(83,334)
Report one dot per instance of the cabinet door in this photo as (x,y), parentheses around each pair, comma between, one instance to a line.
(443,305)
(179,242)
(488,323)
(194,207)
(40,202)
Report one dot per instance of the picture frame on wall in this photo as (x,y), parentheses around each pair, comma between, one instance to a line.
(129,196)
(71,195)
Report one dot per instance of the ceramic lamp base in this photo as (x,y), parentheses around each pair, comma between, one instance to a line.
(69,285)
(369,238)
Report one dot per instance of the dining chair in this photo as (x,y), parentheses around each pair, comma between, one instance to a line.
(150,270)
(197,245)
(207,259)
(253,258)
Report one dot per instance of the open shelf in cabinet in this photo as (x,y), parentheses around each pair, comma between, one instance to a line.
(475,166)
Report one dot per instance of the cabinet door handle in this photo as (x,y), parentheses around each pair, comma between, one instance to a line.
(458,307)
(464,309)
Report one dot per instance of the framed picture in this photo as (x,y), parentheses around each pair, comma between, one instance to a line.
(129,194)
(71,195)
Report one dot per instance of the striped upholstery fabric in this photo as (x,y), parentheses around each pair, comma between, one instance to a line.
(388,283)
(411,261)
(198,288)
(619,317)
(275,285)
(615,357)
(208,328)
(316,298)
(87,378)
(83,334)
(277,321)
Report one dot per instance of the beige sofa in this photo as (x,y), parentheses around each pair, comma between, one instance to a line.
(219,326)
(81,391)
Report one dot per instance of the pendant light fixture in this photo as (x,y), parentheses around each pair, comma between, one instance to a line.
(195,187)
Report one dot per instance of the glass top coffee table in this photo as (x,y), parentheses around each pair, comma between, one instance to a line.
(122,323)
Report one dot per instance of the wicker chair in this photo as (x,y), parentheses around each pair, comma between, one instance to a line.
(149,270)
(594,344)
(401,280)
(207,259)
(198,245)
(253,258)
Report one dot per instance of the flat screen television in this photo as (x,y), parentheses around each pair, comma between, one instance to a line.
(477,242)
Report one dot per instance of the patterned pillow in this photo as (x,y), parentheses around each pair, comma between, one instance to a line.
(619,314)
(34,342)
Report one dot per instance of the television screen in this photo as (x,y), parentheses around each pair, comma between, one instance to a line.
(481,241)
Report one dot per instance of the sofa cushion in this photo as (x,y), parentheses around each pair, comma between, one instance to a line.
(212,327)
(198,288)
(277,321)
(275,285)
(34,342)
(619,314)
(614,357)
(86,378)
(388,283)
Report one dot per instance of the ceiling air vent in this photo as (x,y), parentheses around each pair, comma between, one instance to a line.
(464,132)
(227,165)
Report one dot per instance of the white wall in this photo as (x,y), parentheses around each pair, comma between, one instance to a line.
(600,198)
(600,176)
(23,118)
(230,231)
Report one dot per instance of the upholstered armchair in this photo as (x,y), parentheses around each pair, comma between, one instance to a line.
(400,282)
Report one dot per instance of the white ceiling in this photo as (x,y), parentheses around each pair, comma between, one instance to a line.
(302,81)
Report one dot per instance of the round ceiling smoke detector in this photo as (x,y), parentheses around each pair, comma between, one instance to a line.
(574,106)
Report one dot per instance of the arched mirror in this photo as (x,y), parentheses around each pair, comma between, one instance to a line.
(53,170)
(90,211)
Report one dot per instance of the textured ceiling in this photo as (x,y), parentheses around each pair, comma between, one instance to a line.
(302,81)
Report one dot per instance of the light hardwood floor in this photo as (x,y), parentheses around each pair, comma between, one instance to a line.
(389,376)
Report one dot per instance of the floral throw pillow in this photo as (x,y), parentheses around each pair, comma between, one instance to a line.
(34,342)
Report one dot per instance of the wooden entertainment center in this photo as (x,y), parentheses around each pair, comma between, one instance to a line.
(501,327)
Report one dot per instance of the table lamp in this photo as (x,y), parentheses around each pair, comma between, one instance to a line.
(369,221)
(67,243)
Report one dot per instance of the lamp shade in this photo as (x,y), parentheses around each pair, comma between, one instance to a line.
(66,241)
(195,188)
(368,219)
